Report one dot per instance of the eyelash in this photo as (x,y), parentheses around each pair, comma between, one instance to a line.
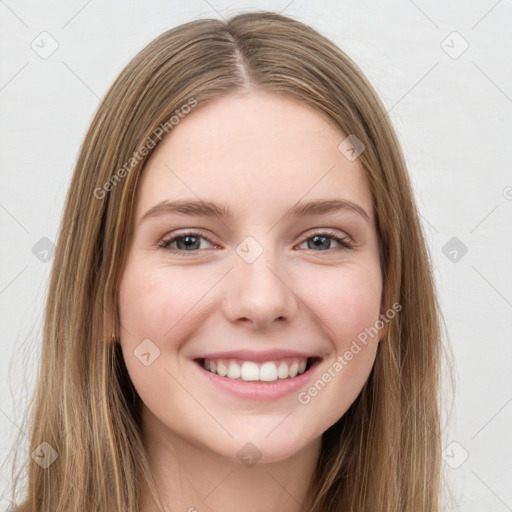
(164,244)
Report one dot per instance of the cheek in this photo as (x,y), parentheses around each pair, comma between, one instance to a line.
(347,310)
(158,305)
(348,304)
(154,301)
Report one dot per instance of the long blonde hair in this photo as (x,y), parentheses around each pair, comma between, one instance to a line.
(384,454)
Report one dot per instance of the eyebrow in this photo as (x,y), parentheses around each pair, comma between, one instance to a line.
(211,209)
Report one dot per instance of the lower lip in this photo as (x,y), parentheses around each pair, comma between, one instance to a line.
(251,390)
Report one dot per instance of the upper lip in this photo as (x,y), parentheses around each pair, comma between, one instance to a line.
(257,356)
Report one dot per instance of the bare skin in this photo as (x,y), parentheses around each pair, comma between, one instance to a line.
(258,154)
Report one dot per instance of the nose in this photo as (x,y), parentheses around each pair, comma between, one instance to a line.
(259,293)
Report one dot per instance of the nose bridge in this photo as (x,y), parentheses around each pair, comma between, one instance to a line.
(257,289)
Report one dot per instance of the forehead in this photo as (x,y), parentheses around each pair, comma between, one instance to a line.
(254,151)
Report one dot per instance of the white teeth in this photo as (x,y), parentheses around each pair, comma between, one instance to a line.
(250,371)
(282,372)
(268,371)
(222,369)
(233,370)
(293,370)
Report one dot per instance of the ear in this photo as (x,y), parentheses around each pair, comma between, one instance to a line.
(383,332)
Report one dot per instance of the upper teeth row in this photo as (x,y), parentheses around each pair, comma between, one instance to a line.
(249,370)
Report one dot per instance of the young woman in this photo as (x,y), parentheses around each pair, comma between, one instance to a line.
(241,314)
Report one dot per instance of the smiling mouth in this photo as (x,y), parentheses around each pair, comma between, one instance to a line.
(251,371)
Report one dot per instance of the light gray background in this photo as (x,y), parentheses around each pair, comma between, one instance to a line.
(452,112)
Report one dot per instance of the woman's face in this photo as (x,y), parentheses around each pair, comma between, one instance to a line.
(256,280)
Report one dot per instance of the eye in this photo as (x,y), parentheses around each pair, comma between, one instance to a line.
(184,241)
(190,242)
(322,239)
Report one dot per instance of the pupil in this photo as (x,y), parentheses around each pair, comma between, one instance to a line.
(325,243)
(186,242)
